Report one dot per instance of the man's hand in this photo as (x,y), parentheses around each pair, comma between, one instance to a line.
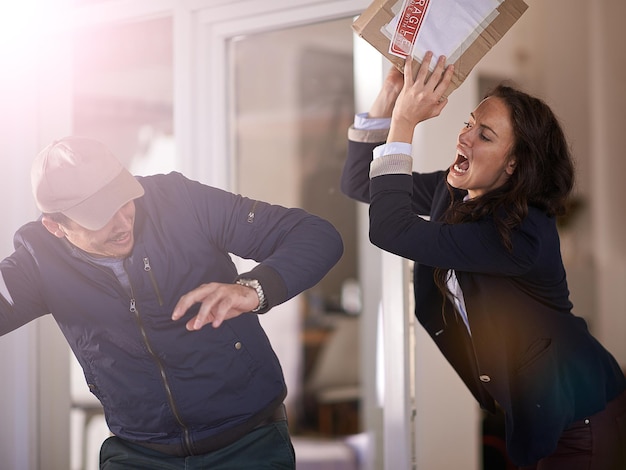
(218,301)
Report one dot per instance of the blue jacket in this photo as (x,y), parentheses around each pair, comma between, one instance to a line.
(158,382)
(526,351)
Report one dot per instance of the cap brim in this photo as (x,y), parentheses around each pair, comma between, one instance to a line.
(96,211)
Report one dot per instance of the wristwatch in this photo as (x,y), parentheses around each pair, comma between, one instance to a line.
(256,285)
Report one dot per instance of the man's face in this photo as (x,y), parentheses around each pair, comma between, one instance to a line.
(114,240)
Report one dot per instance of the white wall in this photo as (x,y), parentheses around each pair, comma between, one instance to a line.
(607,106)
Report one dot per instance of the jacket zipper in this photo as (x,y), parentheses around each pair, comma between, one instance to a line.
(252,214)
(168,391)
(148,269)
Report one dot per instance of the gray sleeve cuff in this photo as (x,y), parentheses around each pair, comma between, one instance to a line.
(368,136)
(393,164)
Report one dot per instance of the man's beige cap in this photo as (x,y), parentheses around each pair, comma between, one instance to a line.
(81,178)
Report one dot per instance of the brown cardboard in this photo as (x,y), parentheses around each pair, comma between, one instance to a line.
(369,24)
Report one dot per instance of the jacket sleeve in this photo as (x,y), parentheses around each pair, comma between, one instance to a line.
(355,178)
(472,247)
(19,294)
(355,182)
(294,249)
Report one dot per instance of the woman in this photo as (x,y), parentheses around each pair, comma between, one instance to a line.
(490,286)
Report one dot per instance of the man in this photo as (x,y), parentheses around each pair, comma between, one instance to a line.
(137,273)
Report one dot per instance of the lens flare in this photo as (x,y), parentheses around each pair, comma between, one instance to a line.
(24,25)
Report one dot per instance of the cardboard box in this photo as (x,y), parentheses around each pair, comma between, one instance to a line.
(400,27)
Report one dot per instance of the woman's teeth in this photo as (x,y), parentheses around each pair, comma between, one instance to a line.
(458,169)
(461,165)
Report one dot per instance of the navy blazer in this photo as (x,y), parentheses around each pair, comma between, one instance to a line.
(526,350)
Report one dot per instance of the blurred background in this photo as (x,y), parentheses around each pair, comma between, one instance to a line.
(256,97)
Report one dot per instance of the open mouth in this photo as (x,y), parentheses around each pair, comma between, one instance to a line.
(461,165)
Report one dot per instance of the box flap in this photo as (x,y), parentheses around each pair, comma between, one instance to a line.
(380,13)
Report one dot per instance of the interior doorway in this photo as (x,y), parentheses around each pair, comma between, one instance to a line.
(291,102)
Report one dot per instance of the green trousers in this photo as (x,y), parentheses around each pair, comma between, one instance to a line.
(266,447)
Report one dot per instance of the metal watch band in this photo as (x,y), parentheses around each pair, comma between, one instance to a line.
(256,285)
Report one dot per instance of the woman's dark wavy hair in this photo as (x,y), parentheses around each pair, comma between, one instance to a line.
(543,176)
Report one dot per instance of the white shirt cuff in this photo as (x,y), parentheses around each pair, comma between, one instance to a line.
(393,148)
(362,121)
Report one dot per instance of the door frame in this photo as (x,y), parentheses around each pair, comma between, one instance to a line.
(207,107)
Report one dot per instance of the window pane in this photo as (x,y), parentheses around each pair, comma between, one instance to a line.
(123,92)
(294,101)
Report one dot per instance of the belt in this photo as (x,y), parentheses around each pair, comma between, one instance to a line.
(279,414)
(213,443)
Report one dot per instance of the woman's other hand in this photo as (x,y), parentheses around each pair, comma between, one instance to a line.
(388,94)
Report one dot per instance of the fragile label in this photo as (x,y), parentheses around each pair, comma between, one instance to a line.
(409,23)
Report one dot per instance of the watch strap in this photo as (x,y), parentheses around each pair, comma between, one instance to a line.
(256,285)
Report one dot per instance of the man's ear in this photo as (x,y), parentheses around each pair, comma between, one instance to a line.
(53,227)
(510,166)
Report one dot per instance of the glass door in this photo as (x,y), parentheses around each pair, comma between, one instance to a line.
(268,109)
(292,103)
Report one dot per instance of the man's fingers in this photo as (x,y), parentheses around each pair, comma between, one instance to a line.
(198,322)
(218,301)
(190,298)
(213,311)
(184,303)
